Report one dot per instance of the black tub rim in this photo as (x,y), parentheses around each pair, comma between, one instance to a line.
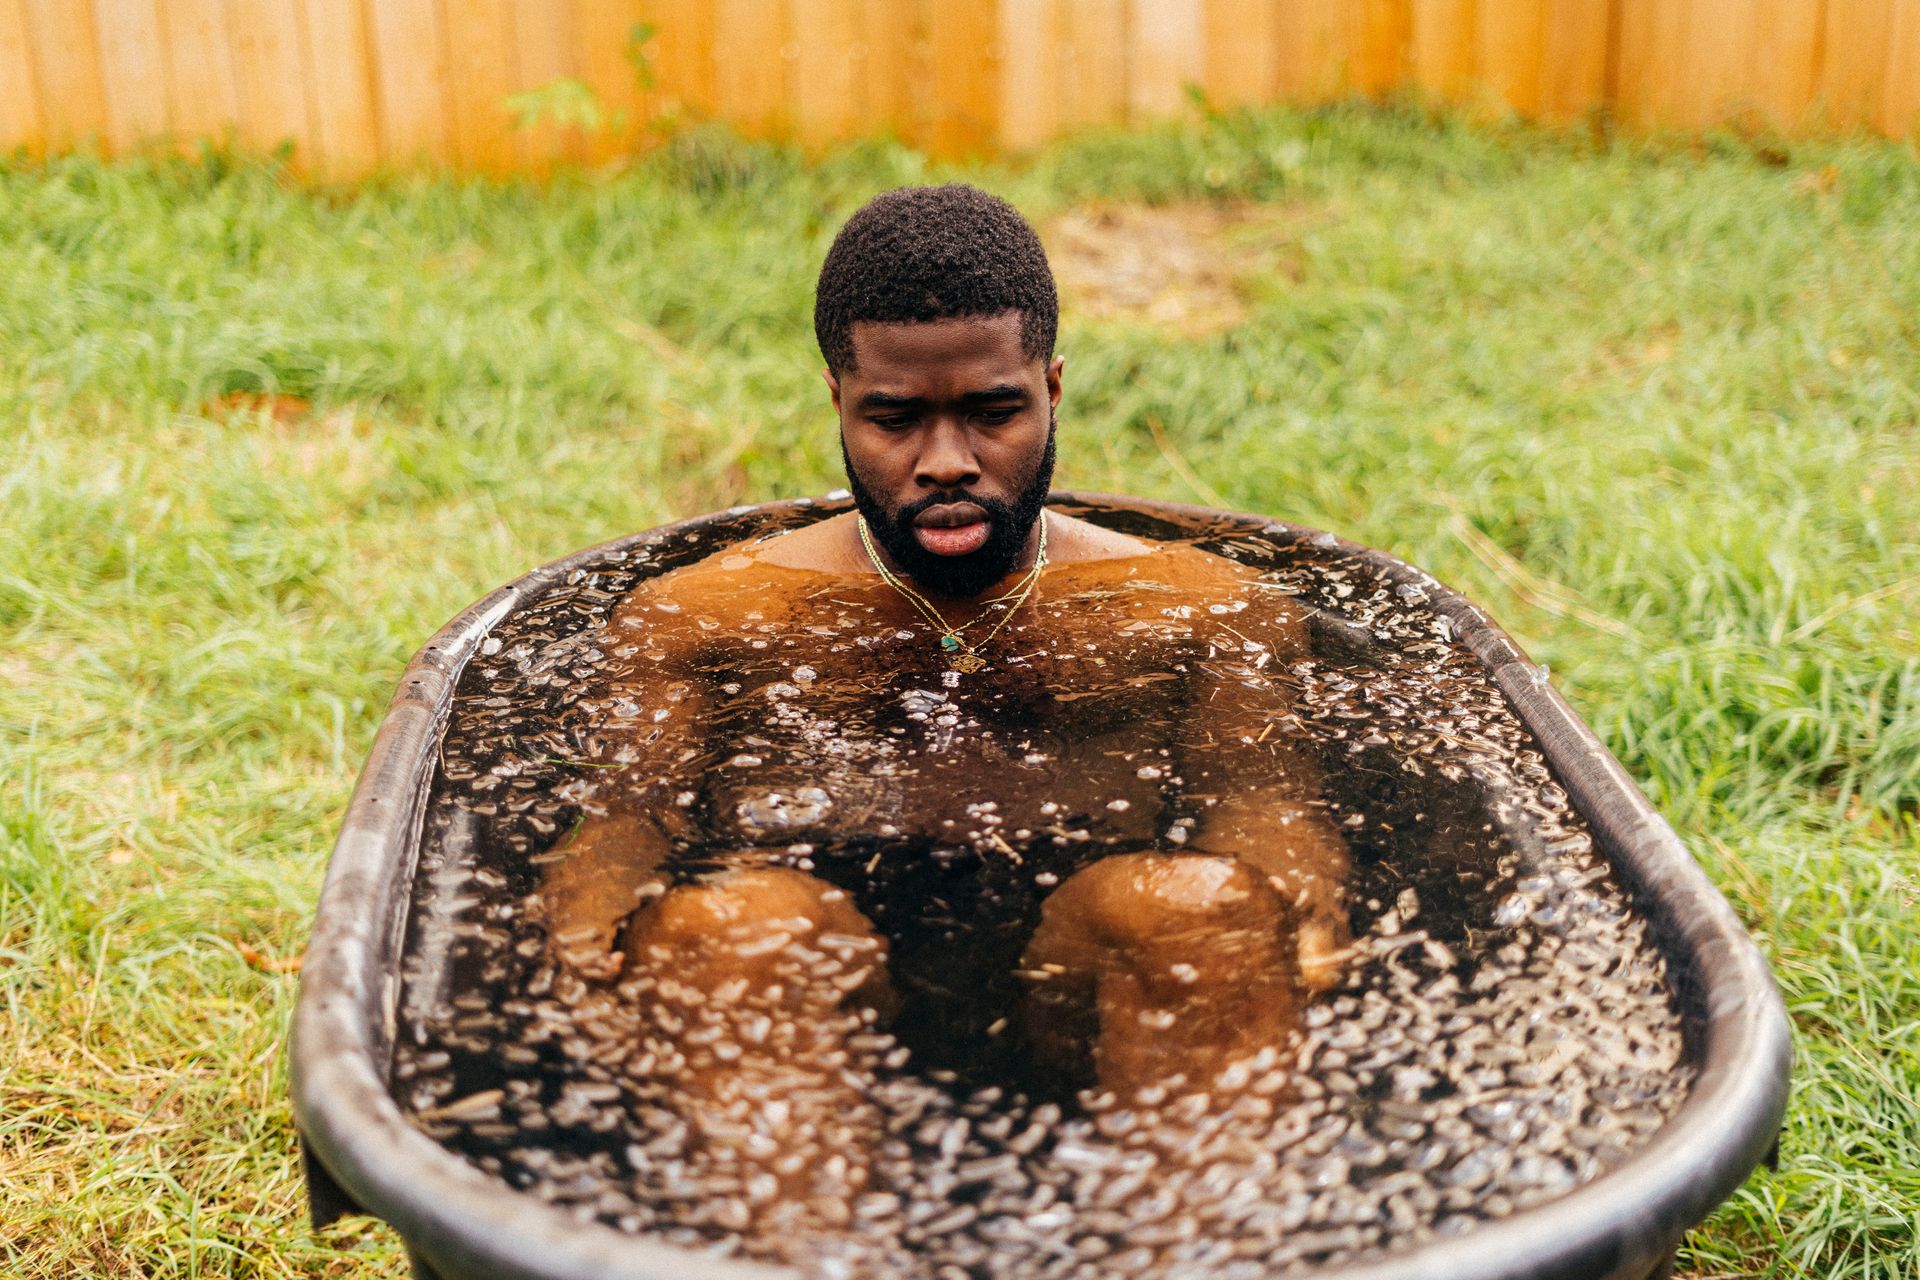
(464,1222)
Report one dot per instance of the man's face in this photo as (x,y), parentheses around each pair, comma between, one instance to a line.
(947,427)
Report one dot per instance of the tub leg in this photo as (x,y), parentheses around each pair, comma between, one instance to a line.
(1663,1269)
(327,1200)
(421,1269)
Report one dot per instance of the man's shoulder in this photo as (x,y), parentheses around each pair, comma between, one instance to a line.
(734,583)
(1071,540)
(1154,580)
(1103,550)
(824,546)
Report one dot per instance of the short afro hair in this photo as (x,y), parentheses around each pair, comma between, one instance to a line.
(934,253)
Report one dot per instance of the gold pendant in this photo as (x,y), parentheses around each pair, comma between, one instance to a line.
(966,663)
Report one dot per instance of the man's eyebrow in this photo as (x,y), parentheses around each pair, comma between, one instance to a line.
(887,400)
(1005,391)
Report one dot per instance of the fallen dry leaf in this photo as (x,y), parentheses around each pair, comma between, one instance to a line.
(264,962)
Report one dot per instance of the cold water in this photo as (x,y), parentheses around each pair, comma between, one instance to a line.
(1490,1027)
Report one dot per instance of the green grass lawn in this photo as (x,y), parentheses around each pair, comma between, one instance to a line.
(1654,406)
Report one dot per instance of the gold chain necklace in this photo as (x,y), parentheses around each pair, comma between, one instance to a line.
(961,656)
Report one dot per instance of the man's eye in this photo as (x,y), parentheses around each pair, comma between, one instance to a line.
(997,417)
(894,422)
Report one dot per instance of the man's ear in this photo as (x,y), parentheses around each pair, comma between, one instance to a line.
(1055,367)
(833,386)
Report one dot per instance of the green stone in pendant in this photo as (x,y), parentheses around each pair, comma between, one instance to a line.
(949,643)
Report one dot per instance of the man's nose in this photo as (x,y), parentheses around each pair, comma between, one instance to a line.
(947,460)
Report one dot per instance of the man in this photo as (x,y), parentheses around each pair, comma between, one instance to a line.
(1027,778)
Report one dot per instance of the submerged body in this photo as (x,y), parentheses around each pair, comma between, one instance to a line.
(1100,858)
(1137,703)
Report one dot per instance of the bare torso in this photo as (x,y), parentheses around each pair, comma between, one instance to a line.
(829,685)
(780,706)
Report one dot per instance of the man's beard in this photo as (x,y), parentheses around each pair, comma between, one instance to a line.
(968,575)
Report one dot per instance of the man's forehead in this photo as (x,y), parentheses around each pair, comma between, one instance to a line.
(975,341)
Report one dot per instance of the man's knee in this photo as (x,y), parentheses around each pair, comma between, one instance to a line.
(762,930)
(1184,962)
(744,903)
(1131,898)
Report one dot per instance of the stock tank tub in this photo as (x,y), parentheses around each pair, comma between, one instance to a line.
(1415,1153)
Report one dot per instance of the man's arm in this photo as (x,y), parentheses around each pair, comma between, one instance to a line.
(646,723)
(1257,785)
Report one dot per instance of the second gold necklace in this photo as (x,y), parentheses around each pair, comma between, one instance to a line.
(962,656)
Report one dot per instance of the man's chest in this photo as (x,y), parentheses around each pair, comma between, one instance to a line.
(806,735)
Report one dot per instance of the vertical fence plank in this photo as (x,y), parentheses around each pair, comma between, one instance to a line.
(1239,67)
(1166,53)
(545,45)
(1633,25)
(202,94)
(1651,33)
(1440,54)
(409,62)
(895,36)
(604,31)
(1508,42)
(826,67)
(1900,113)
(860,61)
(1853,74)
(749,66)
(1785,68)
(1093,63)
(1668,82)
(1385,37)
(66,68)
(1308,64)
(20,122)
(480,57)
(900,77)
(1029,85)
(900,74)
(1573,59)
(271,74)
(681,55)
(340,89)
(1713,74)
(132,71)
(966,78)
(1319,44)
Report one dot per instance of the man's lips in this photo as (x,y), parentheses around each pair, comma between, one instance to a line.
(952,529)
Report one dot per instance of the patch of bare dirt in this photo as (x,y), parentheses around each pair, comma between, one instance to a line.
(1181,267)
(285,411)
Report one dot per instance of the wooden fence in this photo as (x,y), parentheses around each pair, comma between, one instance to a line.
(357,85)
